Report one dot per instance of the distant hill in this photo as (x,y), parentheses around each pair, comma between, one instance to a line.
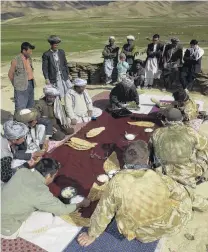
(143,9)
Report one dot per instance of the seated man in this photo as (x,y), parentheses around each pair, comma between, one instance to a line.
(27,192)
(40,130)
(50,107)
(176,149)
(184,103)
(14,135)
(78,104)
(146,206)
(138,75)
(124,92)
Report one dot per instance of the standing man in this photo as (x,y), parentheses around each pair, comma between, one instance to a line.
(192,64)
(21,77)
(54,66)
(172,59)
(130,51)
(110,54)
(154,54)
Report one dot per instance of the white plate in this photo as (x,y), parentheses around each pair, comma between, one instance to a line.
(77,199)
(130,136)
(148,130)
(112,173)
(103,178)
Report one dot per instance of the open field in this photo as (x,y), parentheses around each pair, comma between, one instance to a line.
(82,34)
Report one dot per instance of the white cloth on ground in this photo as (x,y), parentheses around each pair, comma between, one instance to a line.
(47,231)
(34,138)
(96,112)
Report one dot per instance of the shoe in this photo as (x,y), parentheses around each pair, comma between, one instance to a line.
(149,87)
(144,87)
(164,89)
(138,88)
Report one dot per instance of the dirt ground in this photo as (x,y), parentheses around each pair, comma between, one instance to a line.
(199,224)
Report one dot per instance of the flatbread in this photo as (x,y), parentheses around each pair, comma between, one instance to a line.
(142,124)
(95,132)
(76,219)
(80,144)
(111,163)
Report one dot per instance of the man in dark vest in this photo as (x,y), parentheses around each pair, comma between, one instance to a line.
(192,64)
(21,77)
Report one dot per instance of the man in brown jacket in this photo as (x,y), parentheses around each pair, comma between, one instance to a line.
(21,77)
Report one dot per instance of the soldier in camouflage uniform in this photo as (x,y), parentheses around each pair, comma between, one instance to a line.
(146,205)
(184,103)
(180,150)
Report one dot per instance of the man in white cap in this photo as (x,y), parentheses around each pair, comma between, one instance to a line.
(130,51)
(50,107)
(78,104)
(110,55)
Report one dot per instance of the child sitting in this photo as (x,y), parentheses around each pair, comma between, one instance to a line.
(139,74)
(122,67)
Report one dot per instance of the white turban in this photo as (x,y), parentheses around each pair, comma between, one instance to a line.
(80,82)
(130,37)
(14,130)
(50,90)
(112,37)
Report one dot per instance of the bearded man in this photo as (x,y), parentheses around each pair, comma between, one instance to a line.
(50,107)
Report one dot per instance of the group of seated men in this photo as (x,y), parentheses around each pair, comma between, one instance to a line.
(148,198)
(163,61)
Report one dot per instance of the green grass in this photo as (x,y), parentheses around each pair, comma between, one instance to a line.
(91,33)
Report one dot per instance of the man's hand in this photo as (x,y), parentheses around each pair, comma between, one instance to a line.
(37,154)
(74,121)
(70,77)
(54,130)
(31,163)
(45,145)
(84,203)
(89,113)
(47,81)
(85,240)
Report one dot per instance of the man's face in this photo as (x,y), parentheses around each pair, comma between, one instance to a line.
(80,90)
(193,46)
(32,123)
(138,66)
(50,99)
(130,41)
(18,141)
(155,40)
(27,53)
(54,47)
(174,43)
(111,42)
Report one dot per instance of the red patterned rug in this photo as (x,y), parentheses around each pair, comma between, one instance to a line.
(21,245)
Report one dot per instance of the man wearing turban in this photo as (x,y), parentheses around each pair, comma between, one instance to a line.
(14,135)
(50,107)
(54,66)
(147,206)
(110,54)
(130,50)
(177,148)
(78,104)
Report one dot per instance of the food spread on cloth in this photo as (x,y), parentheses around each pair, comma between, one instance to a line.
(68,192)
(132,105)
(142,124)
(94,132)
(111,163)
(80,144)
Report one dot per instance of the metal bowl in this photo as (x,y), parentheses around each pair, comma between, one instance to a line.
(67,198)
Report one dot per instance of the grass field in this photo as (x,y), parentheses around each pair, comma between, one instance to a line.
(82,34)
